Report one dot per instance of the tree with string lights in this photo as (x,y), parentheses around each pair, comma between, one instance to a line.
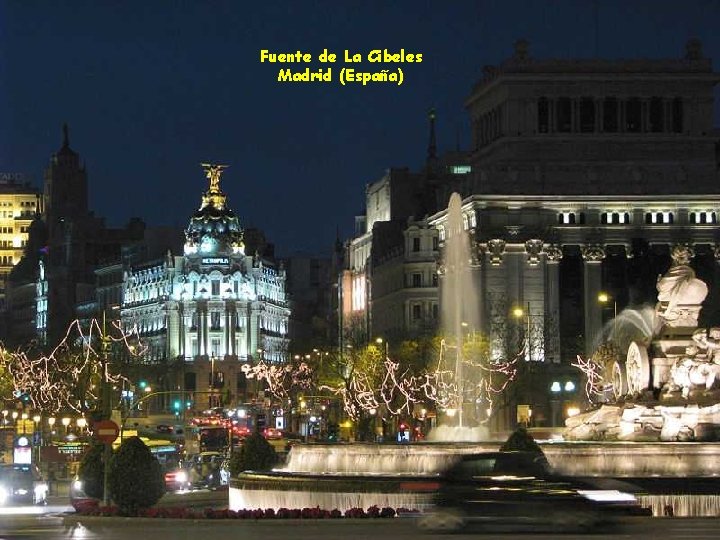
(70,377)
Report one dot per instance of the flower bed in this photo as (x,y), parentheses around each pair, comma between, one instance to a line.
(178,512)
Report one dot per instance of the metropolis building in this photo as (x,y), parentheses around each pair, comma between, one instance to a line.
(211,309)
(581,177)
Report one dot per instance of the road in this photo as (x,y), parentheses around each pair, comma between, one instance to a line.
(53,524)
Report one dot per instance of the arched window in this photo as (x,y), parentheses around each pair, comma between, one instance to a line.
(657,116)
(587,115)
(564,115)
(543,115)
(610,115)
(677,115)
(633,116)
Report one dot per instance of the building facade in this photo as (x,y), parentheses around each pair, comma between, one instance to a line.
(19,202)
(581,177)
(212,309)
(388,287)
(65,243)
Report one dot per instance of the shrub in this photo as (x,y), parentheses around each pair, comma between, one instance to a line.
(91,471)
(255,454)
(135,479)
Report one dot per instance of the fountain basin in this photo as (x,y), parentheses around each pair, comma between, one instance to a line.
(680,479)
(611,459)
(329,491)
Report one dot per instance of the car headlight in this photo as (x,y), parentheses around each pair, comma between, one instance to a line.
(607,495)
(181,476)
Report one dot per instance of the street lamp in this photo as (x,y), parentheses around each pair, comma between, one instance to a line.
(380,341)
(518,312)
(65,422)
(605,298)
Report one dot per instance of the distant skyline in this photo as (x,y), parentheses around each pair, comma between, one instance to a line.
(150,90)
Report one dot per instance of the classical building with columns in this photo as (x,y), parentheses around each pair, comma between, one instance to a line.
(599,161)
(212,309)
(582,176)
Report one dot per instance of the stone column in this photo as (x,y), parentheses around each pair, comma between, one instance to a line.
(494,296)
(226,330)
(233,329)
(533,285)
(206,330)
(198,320)
(593,256)
(174,332)
(553,256)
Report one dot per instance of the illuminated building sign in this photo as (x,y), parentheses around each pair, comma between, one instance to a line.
(215,260)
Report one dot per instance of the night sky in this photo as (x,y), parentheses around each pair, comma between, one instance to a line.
(150,89)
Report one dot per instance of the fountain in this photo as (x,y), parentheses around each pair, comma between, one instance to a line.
(460,303)
(666,387)
(664,401)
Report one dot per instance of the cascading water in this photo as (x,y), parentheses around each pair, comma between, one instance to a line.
(631,324)
(460,314)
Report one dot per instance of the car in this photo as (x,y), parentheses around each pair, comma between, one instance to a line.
(22,483)
(178,479)
(518,488)
(164,428)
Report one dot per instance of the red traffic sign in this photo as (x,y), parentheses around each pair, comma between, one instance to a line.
(106,431)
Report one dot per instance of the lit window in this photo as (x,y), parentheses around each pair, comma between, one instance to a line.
(567,218)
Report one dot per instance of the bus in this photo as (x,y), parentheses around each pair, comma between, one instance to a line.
(206,438)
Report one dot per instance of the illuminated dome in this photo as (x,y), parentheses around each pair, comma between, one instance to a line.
(214,229)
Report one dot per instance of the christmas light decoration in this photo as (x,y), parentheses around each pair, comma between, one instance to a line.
(70,377)
(595,384)
(280,379)
(398,391)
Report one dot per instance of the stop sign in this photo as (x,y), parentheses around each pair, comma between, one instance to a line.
(106,431)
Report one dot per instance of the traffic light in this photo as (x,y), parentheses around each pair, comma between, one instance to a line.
(142,385)
(177,405)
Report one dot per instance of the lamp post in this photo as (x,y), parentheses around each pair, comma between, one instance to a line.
(518,312)
(605,298)
(51,423)
(380,341)
(37,439)
(212,381)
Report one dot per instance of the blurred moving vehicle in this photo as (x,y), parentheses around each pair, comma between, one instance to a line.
(22,483)
(178,479)
(517,489)
(204,470)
